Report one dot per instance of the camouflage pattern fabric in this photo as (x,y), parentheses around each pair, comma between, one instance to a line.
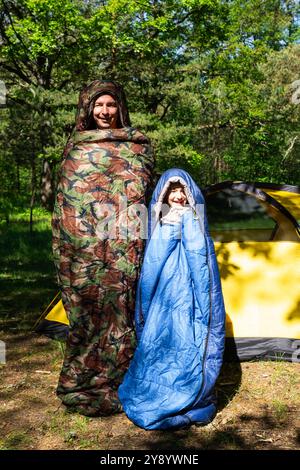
(97,275)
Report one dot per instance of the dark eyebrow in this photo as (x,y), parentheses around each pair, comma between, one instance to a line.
(109,102)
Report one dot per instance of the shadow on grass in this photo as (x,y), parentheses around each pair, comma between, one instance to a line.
(250,432)
(216,440)
(228,383)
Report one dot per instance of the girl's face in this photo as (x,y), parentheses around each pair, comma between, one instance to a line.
(177,197)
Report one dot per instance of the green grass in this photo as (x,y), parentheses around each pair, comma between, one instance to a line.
(27,277)
(280,410)
(15,440)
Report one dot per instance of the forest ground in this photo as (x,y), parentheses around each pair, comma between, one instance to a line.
(258,402)
(258,408)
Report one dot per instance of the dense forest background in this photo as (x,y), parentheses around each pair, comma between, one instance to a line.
(215,84)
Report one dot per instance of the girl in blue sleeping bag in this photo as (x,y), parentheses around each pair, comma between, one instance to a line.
(179,315)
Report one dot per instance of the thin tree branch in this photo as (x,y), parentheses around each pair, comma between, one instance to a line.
(16,71)
(290,147)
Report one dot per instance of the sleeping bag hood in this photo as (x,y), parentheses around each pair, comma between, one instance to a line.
(179,317)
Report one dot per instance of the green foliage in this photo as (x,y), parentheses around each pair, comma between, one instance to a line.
(27,279)
(211,82)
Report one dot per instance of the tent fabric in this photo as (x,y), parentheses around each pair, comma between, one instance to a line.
(54,322)
(262,321)
(288,199)
(53,329)
(285,198)
(179,318)
(263,349)
(58,314)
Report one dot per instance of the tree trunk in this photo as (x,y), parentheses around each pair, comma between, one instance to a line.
(18,177)
(33,189)
(47,193)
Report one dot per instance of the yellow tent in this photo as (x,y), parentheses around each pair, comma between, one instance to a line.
(257,242)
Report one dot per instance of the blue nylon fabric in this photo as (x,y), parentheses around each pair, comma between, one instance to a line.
(180,322)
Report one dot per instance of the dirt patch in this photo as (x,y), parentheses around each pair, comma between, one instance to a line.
(258,408)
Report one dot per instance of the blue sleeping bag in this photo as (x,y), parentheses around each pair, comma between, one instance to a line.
(179,318)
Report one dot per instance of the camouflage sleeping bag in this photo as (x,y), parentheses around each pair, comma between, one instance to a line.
(104,172)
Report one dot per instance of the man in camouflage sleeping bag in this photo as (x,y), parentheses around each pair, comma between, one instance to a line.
(106,170)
